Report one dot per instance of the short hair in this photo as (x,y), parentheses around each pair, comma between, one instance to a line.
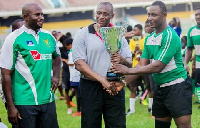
(63,38)
(174,19)
(197,8)
(161,5)
(68,34)
(129,28)
(107,3)
(139,26)
(68,41)
(15,24)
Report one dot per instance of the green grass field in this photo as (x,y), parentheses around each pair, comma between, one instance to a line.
(141,119)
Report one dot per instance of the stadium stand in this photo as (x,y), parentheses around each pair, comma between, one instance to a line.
(67,24)
(11,5)
(170,15)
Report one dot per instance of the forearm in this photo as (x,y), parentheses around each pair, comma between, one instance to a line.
(56,67)
(193,62)
(188,56)
(155,67)
(7,90)
(85,69)
(128,62)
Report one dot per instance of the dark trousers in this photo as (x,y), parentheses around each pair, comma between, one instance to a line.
(38,116)
(95,101)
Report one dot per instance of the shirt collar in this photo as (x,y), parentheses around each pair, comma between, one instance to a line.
(92,30)
(30,31)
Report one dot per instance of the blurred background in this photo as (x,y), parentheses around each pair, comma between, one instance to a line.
(70,15)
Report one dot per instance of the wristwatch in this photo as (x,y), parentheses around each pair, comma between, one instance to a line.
(124,82)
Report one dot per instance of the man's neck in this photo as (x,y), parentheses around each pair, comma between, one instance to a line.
(161,28)
(198,25)
(27,26)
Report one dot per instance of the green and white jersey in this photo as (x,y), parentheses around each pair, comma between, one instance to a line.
(166,47)
(30,56)
(193,41)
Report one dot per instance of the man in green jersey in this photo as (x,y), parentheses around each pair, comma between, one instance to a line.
(193,42)
(28,55)
(173,91)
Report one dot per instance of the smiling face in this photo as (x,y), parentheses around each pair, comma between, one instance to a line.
(104,14)
(197,16)
(34,17)
(156,16)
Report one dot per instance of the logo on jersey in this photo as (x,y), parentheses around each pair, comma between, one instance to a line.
(37,56)
(30,43)
(47,43)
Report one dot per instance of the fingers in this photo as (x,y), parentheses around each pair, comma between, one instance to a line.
(13,120)
(53,87)
(19,116)
(116,68)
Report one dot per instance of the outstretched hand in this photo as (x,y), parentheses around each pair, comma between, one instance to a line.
(119,68)
(116,58)
(117,85)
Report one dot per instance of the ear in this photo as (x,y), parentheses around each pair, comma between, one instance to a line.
(25,16)
(112,15)
(165,15)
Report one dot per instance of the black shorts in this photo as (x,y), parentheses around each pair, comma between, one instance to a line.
(197,77)
(152,83)
(38,116)
(193,74)
(66,80)
(173,101)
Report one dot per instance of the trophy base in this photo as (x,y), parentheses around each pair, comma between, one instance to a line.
(114,76)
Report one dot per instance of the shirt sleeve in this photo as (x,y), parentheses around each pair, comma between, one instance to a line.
(169,46)
(56,52)
(189,40)
(9,53)
(145,54)
(78,47)
(125,49)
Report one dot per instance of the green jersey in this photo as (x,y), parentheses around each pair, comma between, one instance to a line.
(165,47)
(29,55)
(193,41)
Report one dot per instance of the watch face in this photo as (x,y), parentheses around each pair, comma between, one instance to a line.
(110,74)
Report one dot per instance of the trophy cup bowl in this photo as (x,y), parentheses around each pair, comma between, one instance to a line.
(112,37)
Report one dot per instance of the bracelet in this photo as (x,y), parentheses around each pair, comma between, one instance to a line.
(124,82)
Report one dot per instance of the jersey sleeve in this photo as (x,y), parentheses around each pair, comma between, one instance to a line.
(169,46)
(78,47)
(189,40)
(56,52)
(9,53)
(145,54)
(125,49)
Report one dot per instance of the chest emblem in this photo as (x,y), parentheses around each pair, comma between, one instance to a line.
(47,43)
(30,43)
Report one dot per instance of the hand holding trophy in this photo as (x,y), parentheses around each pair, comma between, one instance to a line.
(112,37)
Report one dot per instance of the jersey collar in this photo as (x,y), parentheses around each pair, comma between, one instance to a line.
(30,31)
